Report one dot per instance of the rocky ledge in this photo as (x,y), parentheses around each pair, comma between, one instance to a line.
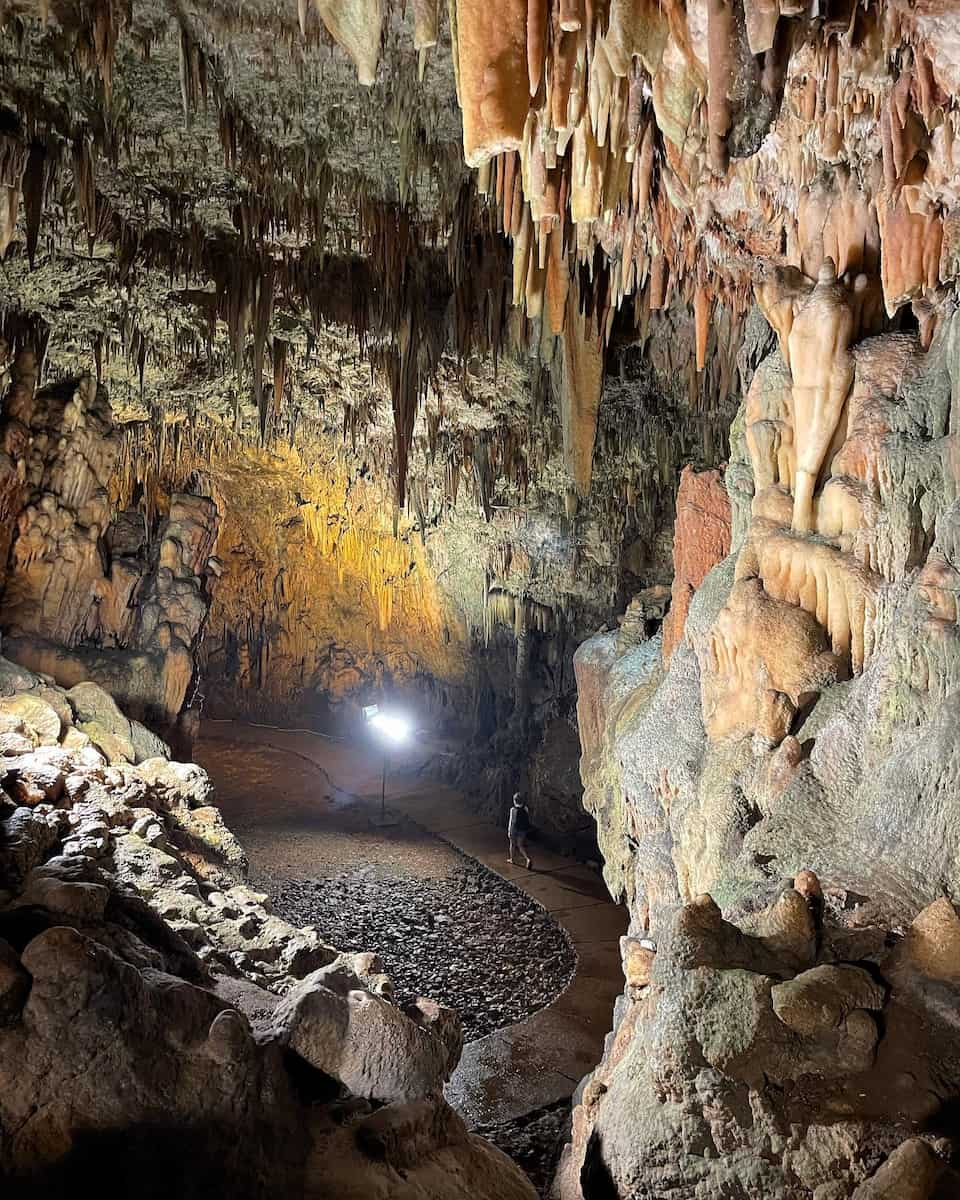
(798,1050)
(156,1015)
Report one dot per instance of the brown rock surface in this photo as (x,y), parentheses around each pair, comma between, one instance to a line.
(701,540)
(122,985)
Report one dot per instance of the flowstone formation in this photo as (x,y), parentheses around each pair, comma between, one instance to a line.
(96,583)
(805,721)
(153,1009)
(795,1051)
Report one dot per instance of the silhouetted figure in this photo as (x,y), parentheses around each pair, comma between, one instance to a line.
(518,830)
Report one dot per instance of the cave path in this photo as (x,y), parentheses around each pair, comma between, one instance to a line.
(535,1062)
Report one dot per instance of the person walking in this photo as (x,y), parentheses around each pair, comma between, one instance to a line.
(518,830)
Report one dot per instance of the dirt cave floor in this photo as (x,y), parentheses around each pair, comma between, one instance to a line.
(443,925)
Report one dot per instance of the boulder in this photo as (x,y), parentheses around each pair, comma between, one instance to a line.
(365,1042)
(14,984)
(147,868)
(118,748)
(36,714)
(203,831)
(146,744)
(176,784)
(32,779)
(102,721)
(931,945)
(819,999)
(56,697)
(83,902)
(15,742)
(14,678)
(26,837)
(91,703)
(910,1173)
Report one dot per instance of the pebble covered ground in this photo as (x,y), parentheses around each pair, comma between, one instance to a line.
(443,925)
(469,940)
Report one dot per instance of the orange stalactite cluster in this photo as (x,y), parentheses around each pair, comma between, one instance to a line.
(346,520)
(691,143)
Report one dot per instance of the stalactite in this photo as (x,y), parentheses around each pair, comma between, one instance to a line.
(582,386)
(280,347)
(494,80)
(356,25)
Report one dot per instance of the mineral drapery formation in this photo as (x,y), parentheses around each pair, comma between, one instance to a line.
(805,719)
(355,348)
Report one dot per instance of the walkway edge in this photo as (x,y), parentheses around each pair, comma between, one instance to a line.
(523,1067)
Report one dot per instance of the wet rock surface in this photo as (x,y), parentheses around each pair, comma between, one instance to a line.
(534,1141)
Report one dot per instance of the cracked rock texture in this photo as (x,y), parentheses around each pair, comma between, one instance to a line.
(154,1009)
(804,727)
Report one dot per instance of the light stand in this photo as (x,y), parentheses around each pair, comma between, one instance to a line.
(392,730)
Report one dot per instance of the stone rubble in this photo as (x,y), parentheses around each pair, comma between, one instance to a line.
(154,1008)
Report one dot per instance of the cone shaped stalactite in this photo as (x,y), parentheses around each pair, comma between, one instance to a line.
(582,385)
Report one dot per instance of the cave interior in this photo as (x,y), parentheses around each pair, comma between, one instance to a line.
(411,408)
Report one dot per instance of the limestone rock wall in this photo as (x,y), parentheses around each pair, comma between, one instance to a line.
(155,1014)
(806,721)
(93,588)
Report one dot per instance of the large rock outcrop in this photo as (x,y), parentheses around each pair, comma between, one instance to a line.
(159,1023)
(806,719)
(779,1056)
(91,589)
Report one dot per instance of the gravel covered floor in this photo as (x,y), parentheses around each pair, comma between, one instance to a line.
(444,925)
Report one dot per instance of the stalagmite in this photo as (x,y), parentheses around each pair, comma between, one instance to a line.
(822,369)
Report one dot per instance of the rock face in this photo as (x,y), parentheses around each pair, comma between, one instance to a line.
(806,719)
(737,1065)
(90,590)
(154,1010)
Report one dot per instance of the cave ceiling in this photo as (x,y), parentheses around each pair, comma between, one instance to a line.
(435,236)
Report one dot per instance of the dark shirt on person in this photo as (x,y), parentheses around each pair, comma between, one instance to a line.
(519,820)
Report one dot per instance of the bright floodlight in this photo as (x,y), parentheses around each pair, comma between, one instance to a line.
(395,728)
